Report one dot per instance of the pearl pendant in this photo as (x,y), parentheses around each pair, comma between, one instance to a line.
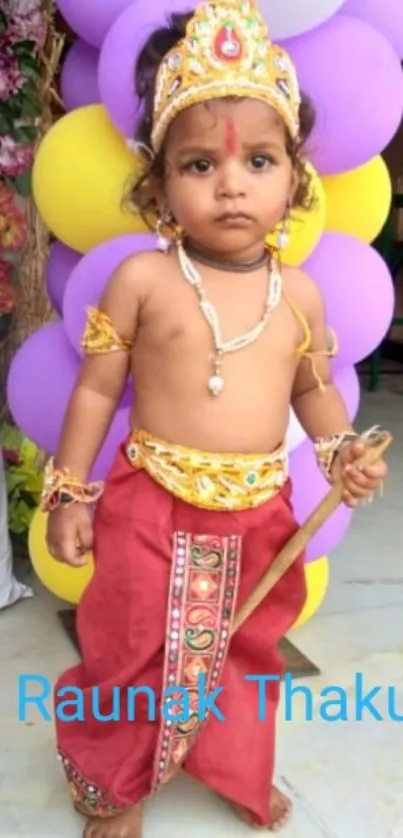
(216,384)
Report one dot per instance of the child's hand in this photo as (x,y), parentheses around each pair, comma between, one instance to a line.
(360,482)
(69,534)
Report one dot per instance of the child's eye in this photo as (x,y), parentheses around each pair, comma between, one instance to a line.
(261,161)
(200,167)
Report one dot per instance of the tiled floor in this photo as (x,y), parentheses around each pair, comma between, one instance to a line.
(346,778)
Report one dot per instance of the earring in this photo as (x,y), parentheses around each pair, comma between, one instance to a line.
(283,235)
(168,233)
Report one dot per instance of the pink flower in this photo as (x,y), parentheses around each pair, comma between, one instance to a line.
(5,272)
(13,229)
(6,198)
(11,78)
(15,158)
(17,8)
(27,27)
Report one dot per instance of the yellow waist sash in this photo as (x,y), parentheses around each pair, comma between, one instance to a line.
(230,482)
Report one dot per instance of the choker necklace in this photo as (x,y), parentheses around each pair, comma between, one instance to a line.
(226,264)
(216,381)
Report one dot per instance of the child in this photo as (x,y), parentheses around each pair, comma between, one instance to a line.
(220,342)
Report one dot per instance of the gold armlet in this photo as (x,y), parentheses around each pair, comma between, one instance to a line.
(330,352)
(100,336)
(61,489)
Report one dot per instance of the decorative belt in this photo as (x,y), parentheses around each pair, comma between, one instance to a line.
(231,482)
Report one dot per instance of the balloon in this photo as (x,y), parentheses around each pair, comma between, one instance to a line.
(295,433)
(79,76)
(40,382)
(59,265)
(91,19)
(122,45)
(306,227)
(62,580)
(358,291)
(87,282)
(348,383)
(358,202)
(79,179)
(309,489)
(384,15)
(317,583)
(355,80)
(287,18)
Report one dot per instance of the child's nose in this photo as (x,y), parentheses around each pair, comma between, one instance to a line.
(231,182)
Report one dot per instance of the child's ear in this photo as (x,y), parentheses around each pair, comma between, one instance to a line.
(295,182)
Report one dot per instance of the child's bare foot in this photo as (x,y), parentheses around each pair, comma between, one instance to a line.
(280,811)
(126,825)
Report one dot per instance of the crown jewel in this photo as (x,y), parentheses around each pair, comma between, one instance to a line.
(226,52)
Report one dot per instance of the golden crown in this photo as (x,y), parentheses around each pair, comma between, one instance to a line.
(226,52)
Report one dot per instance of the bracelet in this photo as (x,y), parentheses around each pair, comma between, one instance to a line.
(60,489)
(328,448)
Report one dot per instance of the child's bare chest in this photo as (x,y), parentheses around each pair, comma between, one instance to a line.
(176,323)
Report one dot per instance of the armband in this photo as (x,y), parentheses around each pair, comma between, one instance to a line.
(61,489)
(100,336)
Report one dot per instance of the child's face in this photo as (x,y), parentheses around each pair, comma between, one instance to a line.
(228,178)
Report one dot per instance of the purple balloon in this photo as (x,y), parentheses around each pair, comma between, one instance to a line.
(59,265)
(91,19)
(355,81)
(119,53)
(348,383)
(90,277)
(79,77)
(40,383)
(309,489)
(384,15)
(358,291)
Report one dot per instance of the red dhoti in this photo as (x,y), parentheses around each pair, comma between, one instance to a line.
(169,577)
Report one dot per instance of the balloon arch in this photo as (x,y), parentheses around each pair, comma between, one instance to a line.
(347,54)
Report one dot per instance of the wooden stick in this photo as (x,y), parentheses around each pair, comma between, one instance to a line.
(297,544)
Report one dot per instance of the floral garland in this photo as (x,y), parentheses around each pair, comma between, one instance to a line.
(22,36)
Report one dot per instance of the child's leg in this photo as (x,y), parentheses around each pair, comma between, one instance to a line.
(235,757)
(107,750)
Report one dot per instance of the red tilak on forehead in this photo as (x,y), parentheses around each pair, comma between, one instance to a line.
(230,137)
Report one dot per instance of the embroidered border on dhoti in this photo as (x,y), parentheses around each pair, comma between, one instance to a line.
(202,599)
(87,798)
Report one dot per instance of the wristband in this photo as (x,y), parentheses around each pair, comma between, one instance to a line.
(61,489)
(328,448)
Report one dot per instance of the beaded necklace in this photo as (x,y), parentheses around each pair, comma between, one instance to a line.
(216,381)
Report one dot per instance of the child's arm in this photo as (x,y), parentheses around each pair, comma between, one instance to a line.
(320,407)
(101,380)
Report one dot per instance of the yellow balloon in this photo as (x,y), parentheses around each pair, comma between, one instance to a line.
(65,582)
(317,581)
(79,180)
(306,227)
(358,202)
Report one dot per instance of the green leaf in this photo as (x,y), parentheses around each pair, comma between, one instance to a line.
(24,133)
(30,71)
(23,47)
(31,107)
(23,184)
(6,123)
